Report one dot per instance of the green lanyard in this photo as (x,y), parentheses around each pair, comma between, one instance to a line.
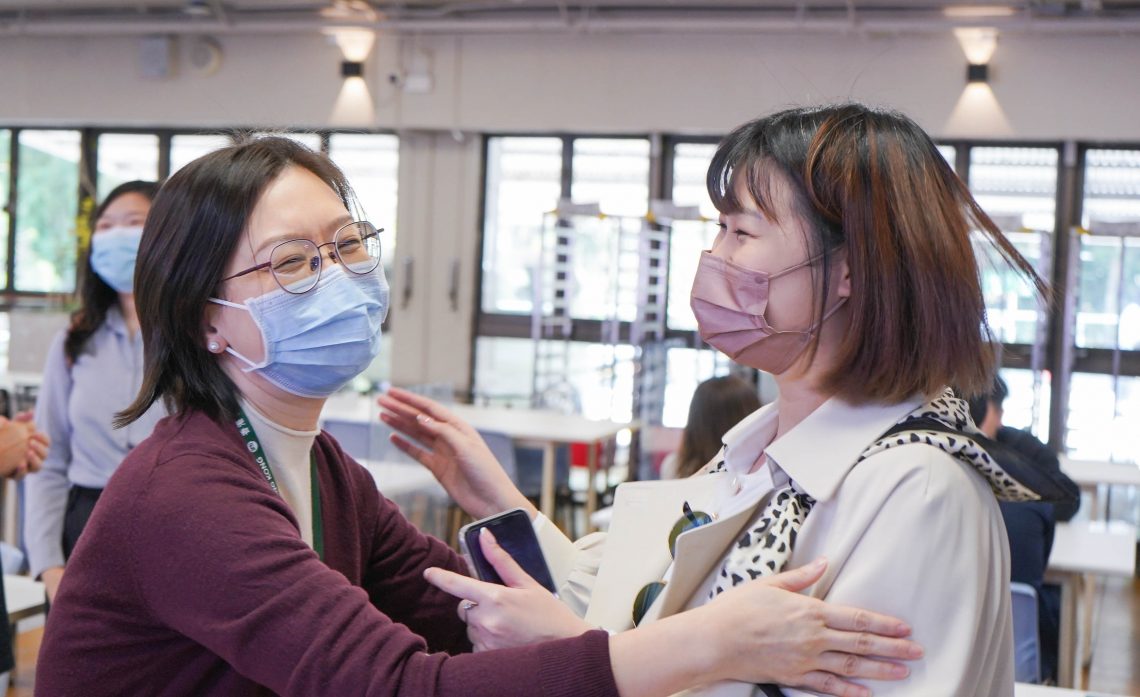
(245,428)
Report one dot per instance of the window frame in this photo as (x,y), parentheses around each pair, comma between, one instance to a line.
(10,296)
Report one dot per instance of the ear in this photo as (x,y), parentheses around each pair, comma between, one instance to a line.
(843,270)
(212,335)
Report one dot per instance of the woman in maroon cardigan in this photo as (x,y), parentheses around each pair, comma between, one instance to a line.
(239,551)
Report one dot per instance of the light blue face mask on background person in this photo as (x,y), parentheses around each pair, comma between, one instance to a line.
(113,254)
(316,342)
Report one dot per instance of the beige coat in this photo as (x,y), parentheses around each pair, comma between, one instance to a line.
(911,532)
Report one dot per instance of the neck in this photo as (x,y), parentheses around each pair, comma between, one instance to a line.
(280,407)
(130,317)
(800,391)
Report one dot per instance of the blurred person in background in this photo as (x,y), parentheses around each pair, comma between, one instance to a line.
(92,370)
(22,450)
(1029,524)
(718,404)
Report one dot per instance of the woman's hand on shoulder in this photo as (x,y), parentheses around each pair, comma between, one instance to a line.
(517,614)
(769,633)
(453,451)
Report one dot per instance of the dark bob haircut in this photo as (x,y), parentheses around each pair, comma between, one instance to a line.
(95,296)
(871,184)
(194,226)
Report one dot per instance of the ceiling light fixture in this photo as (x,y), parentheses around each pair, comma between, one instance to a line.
(977,11)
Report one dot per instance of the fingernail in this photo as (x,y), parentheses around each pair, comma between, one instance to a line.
(903,629)
(899,671)
(486,533)
(425,419)
(819,563)
(915,651)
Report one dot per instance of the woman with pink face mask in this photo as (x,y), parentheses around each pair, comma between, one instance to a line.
(93,369)
(845,268)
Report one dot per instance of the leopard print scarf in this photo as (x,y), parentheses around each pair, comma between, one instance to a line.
(765,546)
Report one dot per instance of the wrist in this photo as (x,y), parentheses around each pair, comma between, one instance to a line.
(709,644)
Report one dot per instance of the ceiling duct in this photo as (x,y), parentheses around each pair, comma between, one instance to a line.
(139,17)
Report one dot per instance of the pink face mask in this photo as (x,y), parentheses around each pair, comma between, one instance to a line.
(729,302)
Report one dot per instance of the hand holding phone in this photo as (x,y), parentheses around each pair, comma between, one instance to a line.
(514,532)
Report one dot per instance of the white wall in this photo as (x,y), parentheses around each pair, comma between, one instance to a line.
(1049,86)
(1043,87)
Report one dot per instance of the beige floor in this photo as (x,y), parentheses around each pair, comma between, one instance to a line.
(1115,667)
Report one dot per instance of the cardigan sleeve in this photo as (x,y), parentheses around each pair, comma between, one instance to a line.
(393,578)
(215,556)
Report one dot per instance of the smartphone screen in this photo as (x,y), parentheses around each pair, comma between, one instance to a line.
(515,533)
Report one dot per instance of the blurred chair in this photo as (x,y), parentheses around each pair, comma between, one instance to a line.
(503,449)
(1026,641)
(528,460)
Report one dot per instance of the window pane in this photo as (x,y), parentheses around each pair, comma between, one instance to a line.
(125,157)
(597,383)
(613,173)
(5,173)
(1103,418)
(1017,187)
(1027,406)
(1108,308)
(371,163)
(504,370)
(688,237)
(523,182)
(686,368)
(47,190)
(311,141)
(690,170)
(184,149)
(949,152)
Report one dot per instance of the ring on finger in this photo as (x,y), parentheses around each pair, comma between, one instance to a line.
(466,606)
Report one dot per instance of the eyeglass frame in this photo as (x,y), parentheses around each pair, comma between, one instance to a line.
(334,256)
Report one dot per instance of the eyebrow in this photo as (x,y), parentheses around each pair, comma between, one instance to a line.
(290,236)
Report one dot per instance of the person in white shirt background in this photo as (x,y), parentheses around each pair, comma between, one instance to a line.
(845,268)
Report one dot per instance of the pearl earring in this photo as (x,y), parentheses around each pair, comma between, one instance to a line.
(214,346)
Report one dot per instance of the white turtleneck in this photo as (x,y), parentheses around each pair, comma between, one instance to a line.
(288,453)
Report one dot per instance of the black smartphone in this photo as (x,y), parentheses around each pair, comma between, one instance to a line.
(515,533)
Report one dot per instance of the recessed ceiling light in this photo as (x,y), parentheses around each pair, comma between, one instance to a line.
(197,8)
(978,11)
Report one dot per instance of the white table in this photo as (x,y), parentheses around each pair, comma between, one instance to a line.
(525,427)
(1090,474)
(547,430)
(414,489)
(1025,690)
(1081,549)
(25,597)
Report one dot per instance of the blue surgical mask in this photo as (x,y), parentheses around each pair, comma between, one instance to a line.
(316,342)
(113,253)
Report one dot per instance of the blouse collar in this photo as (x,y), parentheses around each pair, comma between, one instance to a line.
(821,449)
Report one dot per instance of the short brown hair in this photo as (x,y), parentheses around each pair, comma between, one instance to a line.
(195,223)
(872,184)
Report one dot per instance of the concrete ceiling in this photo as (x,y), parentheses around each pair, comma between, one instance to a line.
(133,17)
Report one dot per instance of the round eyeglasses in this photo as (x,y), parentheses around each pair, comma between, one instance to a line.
(296,264)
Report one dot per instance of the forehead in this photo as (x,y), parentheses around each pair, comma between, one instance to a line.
(126,205)
(762,190)
(295,202)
